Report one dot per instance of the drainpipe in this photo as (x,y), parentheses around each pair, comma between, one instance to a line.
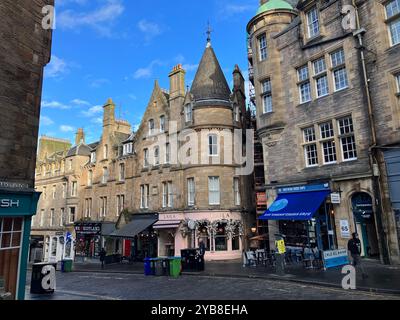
(372,151)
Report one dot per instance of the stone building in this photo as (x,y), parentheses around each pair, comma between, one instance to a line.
(177,179)
(24,51)
(325,126)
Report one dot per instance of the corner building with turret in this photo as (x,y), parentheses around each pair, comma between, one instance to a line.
(173,182)
(325,81)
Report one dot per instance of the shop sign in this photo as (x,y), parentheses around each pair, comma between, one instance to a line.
(344,228)
(13,185)
(261,199)
(304,188)
(88,228)
(334,258)
(170,216)
(335,198)
(18,204)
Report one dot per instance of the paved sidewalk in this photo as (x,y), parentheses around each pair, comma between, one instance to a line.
(381,278)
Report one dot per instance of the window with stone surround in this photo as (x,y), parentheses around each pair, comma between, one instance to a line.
(212,145)
(304,84)
(156,156)
(122,172)
(310,147)
(104,178)
(144,196)
(321,77)
(71,214)
(191,191)
(167,153)
(146,158)
(74,187)
(62,218)
(347,139)
(162,123)
(397,77)
(103,207)
(313,22)
(52,217)
(88,207)
(266,96)
(120,204)
(392,9)
(328,143)
(213,191)
(236,191)
(339,70)
(151,127)
(188,113)
(167,195)
(262,47)
(90,178)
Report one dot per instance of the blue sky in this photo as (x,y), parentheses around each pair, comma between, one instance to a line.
(117,48)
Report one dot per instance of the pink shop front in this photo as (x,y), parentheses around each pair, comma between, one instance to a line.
(221,232)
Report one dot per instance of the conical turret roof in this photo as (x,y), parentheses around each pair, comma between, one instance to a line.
(210,82)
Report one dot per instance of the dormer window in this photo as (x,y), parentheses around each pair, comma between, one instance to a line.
(128,148)
(312,22)
(188,113)
(151,127)
(93,157)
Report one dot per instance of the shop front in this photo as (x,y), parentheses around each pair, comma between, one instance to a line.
(16,211)
(140,235)
(305,216)
(221,232)
(88,239)
(167,228)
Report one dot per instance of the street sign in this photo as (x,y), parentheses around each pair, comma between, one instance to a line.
(344,228)
(335,198)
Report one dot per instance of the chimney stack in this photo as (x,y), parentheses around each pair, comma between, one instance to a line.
(109,113)
(177,82)
(79,136)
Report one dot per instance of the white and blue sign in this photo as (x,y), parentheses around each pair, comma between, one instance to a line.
(334,258)
(295,206)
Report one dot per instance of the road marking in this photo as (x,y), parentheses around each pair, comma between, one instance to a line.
(85,294)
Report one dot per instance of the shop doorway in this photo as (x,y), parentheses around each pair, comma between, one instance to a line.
(365,223)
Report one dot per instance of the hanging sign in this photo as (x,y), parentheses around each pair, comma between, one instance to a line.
(334,258)
(335,198)
(344,228)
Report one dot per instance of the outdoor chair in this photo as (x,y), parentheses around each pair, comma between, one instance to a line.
(251,259)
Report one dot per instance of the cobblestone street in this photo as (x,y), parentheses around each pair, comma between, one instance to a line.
(104,286)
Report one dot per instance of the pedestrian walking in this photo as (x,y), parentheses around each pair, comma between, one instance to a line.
(102,257)
(354,247)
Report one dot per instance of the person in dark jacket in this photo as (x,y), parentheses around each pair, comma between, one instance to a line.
(102,257)
(354,247)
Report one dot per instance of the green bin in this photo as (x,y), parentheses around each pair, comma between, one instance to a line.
(67,265)
(175,266)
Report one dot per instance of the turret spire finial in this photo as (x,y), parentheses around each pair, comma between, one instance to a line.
(209,31)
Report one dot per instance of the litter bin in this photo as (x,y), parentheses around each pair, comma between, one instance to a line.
(66,265)
(147,267)
(159,270)
(174,266)
(43,278)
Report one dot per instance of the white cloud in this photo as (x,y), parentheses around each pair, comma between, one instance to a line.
(46,121)
(65,128)
(97,83)
(55,105)
(56,68)
(146,72)
(149,29)
(190,67)
(80,102)
(100,19)
(98,120)
(92,111)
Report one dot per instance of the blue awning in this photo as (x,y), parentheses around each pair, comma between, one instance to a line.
(295,206)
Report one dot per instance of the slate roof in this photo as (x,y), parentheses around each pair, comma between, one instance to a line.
(210,82)
(79,150)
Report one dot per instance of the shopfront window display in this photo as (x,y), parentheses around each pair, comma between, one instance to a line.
(10,244)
